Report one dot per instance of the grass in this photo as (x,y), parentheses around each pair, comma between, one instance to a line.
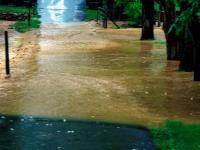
(159,42)
(90,14)
(22,26)
(177,136)
(114,27)
(13,9)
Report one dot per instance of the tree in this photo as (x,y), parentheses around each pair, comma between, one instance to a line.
(172,40)
(132,10)
(148,19)
(188,22)
(192,16)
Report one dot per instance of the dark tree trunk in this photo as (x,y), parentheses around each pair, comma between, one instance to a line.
(172,40)
(187,46)
(148,19)
(111,8)
(159,16)
(186,52)
(173,45)
(195,34)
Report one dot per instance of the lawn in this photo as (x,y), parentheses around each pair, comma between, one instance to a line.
(22,26)
(90,14)
(13,9)
(177,136)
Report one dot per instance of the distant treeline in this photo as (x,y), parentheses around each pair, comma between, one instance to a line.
(17,2)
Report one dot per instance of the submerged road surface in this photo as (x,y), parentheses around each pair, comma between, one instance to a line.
(81,71)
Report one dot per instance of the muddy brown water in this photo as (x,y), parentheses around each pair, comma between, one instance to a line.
(84,72)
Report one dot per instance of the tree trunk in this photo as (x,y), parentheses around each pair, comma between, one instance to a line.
(172,40)
(173,46)
(186,52)
(159,16)
(187,46)
(195,34)
(148,19)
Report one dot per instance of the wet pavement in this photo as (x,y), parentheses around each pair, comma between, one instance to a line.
(28,133)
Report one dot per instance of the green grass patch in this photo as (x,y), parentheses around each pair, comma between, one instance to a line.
(114,27)
(13,9)
(177,136)
(160,42)
(90,14)
(22,26)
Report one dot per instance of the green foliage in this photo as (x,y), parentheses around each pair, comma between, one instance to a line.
(159,42)
(177,136)
(156,10)
(13,9)
(156,7)
(90,14)
(134,12)
(186,17)
(133,9)
(22,26)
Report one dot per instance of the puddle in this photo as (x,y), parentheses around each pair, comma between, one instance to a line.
(43,133)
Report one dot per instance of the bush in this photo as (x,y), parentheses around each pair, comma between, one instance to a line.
(22,26)
(134,12)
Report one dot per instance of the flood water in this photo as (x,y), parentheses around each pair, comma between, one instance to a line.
(59,11)
(81,71)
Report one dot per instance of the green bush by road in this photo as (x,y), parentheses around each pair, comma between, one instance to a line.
(22,26)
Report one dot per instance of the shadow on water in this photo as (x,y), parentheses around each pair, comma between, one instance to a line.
(26,132)
(61,11)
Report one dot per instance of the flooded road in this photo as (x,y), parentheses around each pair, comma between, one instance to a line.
(84,72)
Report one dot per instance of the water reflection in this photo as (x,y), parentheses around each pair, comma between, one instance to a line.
(59,11)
